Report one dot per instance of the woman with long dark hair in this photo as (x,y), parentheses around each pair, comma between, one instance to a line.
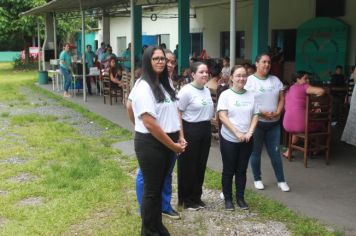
(197,109)
(157,130)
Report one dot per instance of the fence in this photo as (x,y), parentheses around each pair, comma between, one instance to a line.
(9,56)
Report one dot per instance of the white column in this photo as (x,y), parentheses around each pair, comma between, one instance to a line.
(232,33)
(132,6)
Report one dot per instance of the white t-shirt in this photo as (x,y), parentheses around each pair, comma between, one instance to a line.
(165,113)
(195,104)
(241,108)
(266,93)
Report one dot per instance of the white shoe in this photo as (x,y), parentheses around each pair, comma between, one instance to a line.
(259,185)
(283,186)
(222,197)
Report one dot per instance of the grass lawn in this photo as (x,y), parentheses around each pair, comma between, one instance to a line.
(79,184)
(76,181)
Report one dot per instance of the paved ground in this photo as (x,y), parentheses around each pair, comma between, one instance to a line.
(327,193)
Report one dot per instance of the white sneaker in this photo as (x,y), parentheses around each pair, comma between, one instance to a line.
(283,186)
(259,185)
(222,197)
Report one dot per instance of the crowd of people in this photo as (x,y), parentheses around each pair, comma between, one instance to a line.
(172,118)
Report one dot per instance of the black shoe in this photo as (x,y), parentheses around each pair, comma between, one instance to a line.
(192,207)
(242,204)
(229,206)
(171,214)
(201,204)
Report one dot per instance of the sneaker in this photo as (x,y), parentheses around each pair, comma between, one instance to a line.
(242,204)
(222,197)
(172,214)
(283,186)
(259,185)
(229,206)
(192,207)
(201,204)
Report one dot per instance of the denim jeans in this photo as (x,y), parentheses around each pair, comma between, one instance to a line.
(67,78)
(235,157)
(268,133)
(167,187)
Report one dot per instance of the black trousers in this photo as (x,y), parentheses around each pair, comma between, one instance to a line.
(235,157)
(154,159)
(192,162)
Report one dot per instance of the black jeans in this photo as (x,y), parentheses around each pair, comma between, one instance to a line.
(154,159)
(192,162)
(235,157)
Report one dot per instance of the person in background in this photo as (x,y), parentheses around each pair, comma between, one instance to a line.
(350,85)
(269,96)
(337,82)
(89,60)
(65,68)
(238,113)
(294,116)
(225,71)
(115,73)
(126,58)
(163,46)
(167,209)
(107,56)
(176,52)
(349,134)
(196,108)
(100,50)
(158,135)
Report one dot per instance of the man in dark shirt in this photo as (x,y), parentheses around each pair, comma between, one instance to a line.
(338,91)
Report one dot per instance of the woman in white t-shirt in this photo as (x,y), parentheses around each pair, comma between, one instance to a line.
(268,90)
(238,113)
(197,109)
(157,129)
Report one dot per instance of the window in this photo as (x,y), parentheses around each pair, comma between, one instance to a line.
(329,8)
(225,44)
(196,40)
(285,40)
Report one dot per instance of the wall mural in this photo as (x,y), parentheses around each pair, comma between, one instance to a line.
(321,45)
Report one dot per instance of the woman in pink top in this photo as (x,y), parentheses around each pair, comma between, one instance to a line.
(293,121)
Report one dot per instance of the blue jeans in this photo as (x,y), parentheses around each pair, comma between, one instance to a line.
(167,187)
(270,134)
(67,78)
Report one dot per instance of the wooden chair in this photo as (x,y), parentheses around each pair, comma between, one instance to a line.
(111,90)
(126,79)
(318,110)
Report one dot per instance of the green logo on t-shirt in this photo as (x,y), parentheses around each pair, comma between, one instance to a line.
(262,90)
(167,100)
(203,102)
(237,103)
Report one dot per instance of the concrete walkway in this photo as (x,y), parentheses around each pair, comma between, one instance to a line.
(327,193)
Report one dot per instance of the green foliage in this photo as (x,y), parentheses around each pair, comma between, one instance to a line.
(25,65)
(14,30)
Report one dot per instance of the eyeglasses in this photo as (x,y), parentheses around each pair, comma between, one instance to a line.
(159,59)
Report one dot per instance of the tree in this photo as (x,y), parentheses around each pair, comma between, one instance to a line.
(15,31)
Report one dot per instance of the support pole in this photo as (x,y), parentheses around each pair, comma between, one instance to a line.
(232,33)
(38,44)
(83,52)
(184,46)
(55,35)
(43,49)
(132,20)
(260,27)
